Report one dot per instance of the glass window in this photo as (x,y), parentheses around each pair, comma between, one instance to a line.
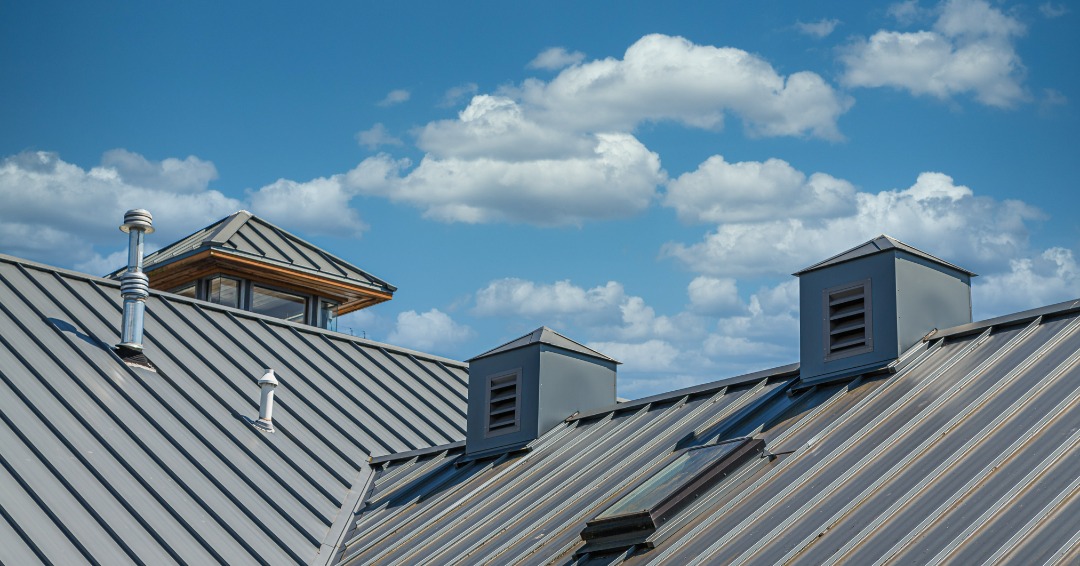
(223,291)
(328,315)
(188,290)
(280,304)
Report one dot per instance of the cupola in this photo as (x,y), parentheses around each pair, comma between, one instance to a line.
(245,262)
(525,387)
(861,309)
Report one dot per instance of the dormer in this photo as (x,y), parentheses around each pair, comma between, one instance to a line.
(245,262)
(522,389)
(861,309)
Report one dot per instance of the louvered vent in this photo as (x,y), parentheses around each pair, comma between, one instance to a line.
(847,320)
(503,403)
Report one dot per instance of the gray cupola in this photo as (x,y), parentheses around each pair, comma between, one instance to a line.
(525,387)
(861,309)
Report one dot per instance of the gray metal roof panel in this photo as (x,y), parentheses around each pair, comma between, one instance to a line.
(879,244)
(965,454)
(100,461)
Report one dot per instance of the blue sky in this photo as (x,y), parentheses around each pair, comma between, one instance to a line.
(640,177)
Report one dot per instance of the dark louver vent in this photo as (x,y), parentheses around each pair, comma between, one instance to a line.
(503,403)
(847,320)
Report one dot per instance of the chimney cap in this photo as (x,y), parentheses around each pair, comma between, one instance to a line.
(268,378)
(882,243)
(138,218)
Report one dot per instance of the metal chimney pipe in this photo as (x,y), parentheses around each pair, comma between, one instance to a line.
(266,402)
(134,284)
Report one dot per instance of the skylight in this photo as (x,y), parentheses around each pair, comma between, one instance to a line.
(637,515)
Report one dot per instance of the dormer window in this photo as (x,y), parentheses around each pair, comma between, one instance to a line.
(262,299)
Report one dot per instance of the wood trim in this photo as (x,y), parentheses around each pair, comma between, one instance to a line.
(209,262)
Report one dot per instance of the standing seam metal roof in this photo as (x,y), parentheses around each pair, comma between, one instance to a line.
(968,454)
(102,462)
(246,235)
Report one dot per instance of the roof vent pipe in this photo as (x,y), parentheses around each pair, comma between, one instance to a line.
(266,402)
(134,285)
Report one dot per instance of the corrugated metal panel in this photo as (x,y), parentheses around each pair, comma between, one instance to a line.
(107,463)
(967,455)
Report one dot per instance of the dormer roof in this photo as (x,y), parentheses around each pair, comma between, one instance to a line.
(248,245)
(879,244)
(545,335)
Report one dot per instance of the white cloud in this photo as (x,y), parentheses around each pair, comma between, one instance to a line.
(318,206)
(1051,10)
(1030,282)
(376,136)
(431,331)
(175,191)
(719,191)
(57,212)
(969,50)
(396,96)
(456,94)
(494,164)
(548,303)
(819,29)
(907,12)
(714,296)
(648,356)
(669,78)
(556,58)
(934,213)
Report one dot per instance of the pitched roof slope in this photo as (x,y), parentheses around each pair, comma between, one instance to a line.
(102,462)
(968,454)
(879,244)
(545,335)
(246,235)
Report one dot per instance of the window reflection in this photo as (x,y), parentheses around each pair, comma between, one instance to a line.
(223,291)
(328,315)
(280,304)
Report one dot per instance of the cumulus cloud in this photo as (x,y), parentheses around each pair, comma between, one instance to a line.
(432,331)
(669,78)
(746,191)
(819,29)
(318,206)
(494,164)
(714,296)
(396,96)
(83,231)
(907,12)
(934,213)
(556,58)
(969,50)
(718,335)
(1047,278)
(376,136)
(60,213)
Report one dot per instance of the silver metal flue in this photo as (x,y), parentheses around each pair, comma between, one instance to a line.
(266,402)
(134,285)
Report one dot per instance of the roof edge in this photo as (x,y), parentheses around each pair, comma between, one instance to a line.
(5,258)
(1063,307)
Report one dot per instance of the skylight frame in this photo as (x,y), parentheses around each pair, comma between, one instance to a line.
(611,530)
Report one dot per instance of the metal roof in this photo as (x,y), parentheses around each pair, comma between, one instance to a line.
(545,335)
(967,454)
(246,235)
(879,244)
(102,462)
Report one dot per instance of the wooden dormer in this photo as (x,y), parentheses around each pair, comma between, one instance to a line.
(245,262)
